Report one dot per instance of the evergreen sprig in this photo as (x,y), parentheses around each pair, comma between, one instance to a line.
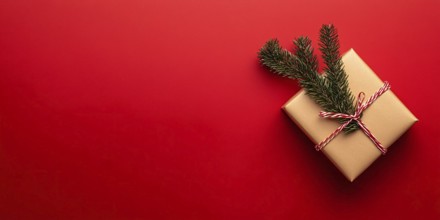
(331,90)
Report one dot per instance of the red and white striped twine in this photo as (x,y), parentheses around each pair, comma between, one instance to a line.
(360,107)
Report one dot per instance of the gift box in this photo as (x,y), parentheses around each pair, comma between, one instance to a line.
(387,119)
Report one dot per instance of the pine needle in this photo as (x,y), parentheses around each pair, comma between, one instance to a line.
(330,91)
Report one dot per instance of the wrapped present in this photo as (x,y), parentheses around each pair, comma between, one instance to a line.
(383,116)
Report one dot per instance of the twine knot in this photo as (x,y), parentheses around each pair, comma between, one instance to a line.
(360,107)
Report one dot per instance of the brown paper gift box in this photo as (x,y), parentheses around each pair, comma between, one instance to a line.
(387,118)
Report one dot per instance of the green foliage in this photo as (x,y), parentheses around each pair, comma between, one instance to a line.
(331,91)
(277,59)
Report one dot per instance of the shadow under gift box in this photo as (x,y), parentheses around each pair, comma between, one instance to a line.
(387,119)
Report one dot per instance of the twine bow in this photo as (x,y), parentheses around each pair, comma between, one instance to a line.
(360,107)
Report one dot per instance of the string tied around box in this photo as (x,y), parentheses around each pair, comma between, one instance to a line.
(360,107)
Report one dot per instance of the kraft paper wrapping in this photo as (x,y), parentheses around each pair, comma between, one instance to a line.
(387,118)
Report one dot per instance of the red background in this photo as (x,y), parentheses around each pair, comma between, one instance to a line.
(159,110)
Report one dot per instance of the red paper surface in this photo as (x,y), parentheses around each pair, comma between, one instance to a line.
(160,110)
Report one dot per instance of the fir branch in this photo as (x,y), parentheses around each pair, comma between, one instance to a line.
(277,59)
(331,92)
(335,73)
